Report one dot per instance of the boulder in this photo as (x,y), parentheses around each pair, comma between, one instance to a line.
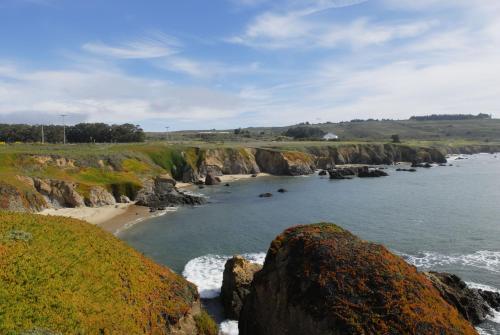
(371,173)
(322,280)
(469,302)
(212,179)
(265,195)
(282,190)
(124,199)
(161,192)
(323,173)
(98,197)
(238,275)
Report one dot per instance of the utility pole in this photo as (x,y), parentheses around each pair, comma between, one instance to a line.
(43,136)
(167,132)
(64,127)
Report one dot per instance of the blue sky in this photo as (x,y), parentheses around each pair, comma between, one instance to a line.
(235,63)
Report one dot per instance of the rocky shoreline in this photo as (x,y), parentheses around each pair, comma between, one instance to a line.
(321,279)
(34,194)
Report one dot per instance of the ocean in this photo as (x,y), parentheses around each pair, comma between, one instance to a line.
(442,218)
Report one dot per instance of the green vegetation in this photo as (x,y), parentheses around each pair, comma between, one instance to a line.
(205,324)
(64,276)
(79,133)
(474,129)
(304,132)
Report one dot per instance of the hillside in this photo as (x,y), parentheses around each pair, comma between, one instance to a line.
(64,276)
(477,130)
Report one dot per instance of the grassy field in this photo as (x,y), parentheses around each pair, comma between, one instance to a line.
(478,130)
(69,277)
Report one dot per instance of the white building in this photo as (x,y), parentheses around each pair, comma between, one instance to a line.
(330,137)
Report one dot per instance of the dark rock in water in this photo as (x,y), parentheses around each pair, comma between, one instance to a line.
(469,302)
(238,275)
(371,173)
(199,182)
(406,170)
(161,192)
(339,174)
(421,165)
(322,280)
(323,173)
(227,185)
(212,179)
(442,164)
(282,190)
(492,298)
(265,195)
(254,176)
(201,187)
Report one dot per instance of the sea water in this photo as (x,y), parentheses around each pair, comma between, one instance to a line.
(443,218)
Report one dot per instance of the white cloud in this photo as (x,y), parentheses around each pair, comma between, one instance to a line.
(153,46)
(302,28)
(109,96)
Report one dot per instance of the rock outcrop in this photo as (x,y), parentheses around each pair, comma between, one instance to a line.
(212,179)
(238,275)
(321,279)
(161,192)
(285,163)
(359,171)
(60,193)
(98,196)
(475,305)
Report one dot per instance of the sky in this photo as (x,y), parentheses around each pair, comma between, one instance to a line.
(203,64)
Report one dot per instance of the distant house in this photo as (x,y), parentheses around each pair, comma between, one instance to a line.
(330,137)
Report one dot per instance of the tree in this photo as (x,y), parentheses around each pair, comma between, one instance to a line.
(395,138)
(303,132)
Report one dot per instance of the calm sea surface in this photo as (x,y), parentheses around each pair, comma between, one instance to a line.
(444,219)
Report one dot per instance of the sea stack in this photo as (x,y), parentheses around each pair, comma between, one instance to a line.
(322,280)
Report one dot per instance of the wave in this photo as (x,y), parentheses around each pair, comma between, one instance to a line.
(483,259)
(228,327)
(206,272)
(482,287)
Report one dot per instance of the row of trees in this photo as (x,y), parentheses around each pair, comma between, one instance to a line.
(304,132)
(451,117)
(79,133)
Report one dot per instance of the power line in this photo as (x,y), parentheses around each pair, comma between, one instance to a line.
(64,127)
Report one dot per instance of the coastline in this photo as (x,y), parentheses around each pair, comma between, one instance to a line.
(119,217)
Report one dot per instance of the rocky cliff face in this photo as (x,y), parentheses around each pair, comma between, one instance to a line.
(321,279)
(475,305)
(238,276)
(161,192)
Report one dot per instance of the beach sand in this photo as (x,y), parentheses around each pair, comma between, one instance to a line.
(116,218)
(111,218)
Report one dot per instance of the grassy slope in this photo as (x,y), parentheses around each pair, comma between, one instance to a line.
(478,130)
(68,276)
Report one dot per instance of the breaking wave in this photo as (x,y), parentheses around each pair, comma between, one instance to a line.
(206,272)
(483,259)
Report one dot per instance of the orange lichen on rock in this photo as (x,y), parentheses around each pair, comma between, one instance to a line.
(321,279)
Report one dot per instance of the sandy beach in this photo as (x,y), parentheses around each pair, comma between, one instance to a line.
(111,218)
(116,218)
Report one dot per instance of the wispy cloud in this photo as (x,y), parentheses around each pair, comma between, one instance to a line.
(302,28)
(151,46)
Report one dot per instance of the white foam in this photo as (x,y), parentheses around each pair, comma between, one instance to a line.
(482,287)
(483,259)
(206,272)
(228,327)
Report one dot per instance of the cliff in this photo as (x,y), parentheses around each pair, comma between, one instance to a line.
(93,175)
(64,276)
(321,279)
